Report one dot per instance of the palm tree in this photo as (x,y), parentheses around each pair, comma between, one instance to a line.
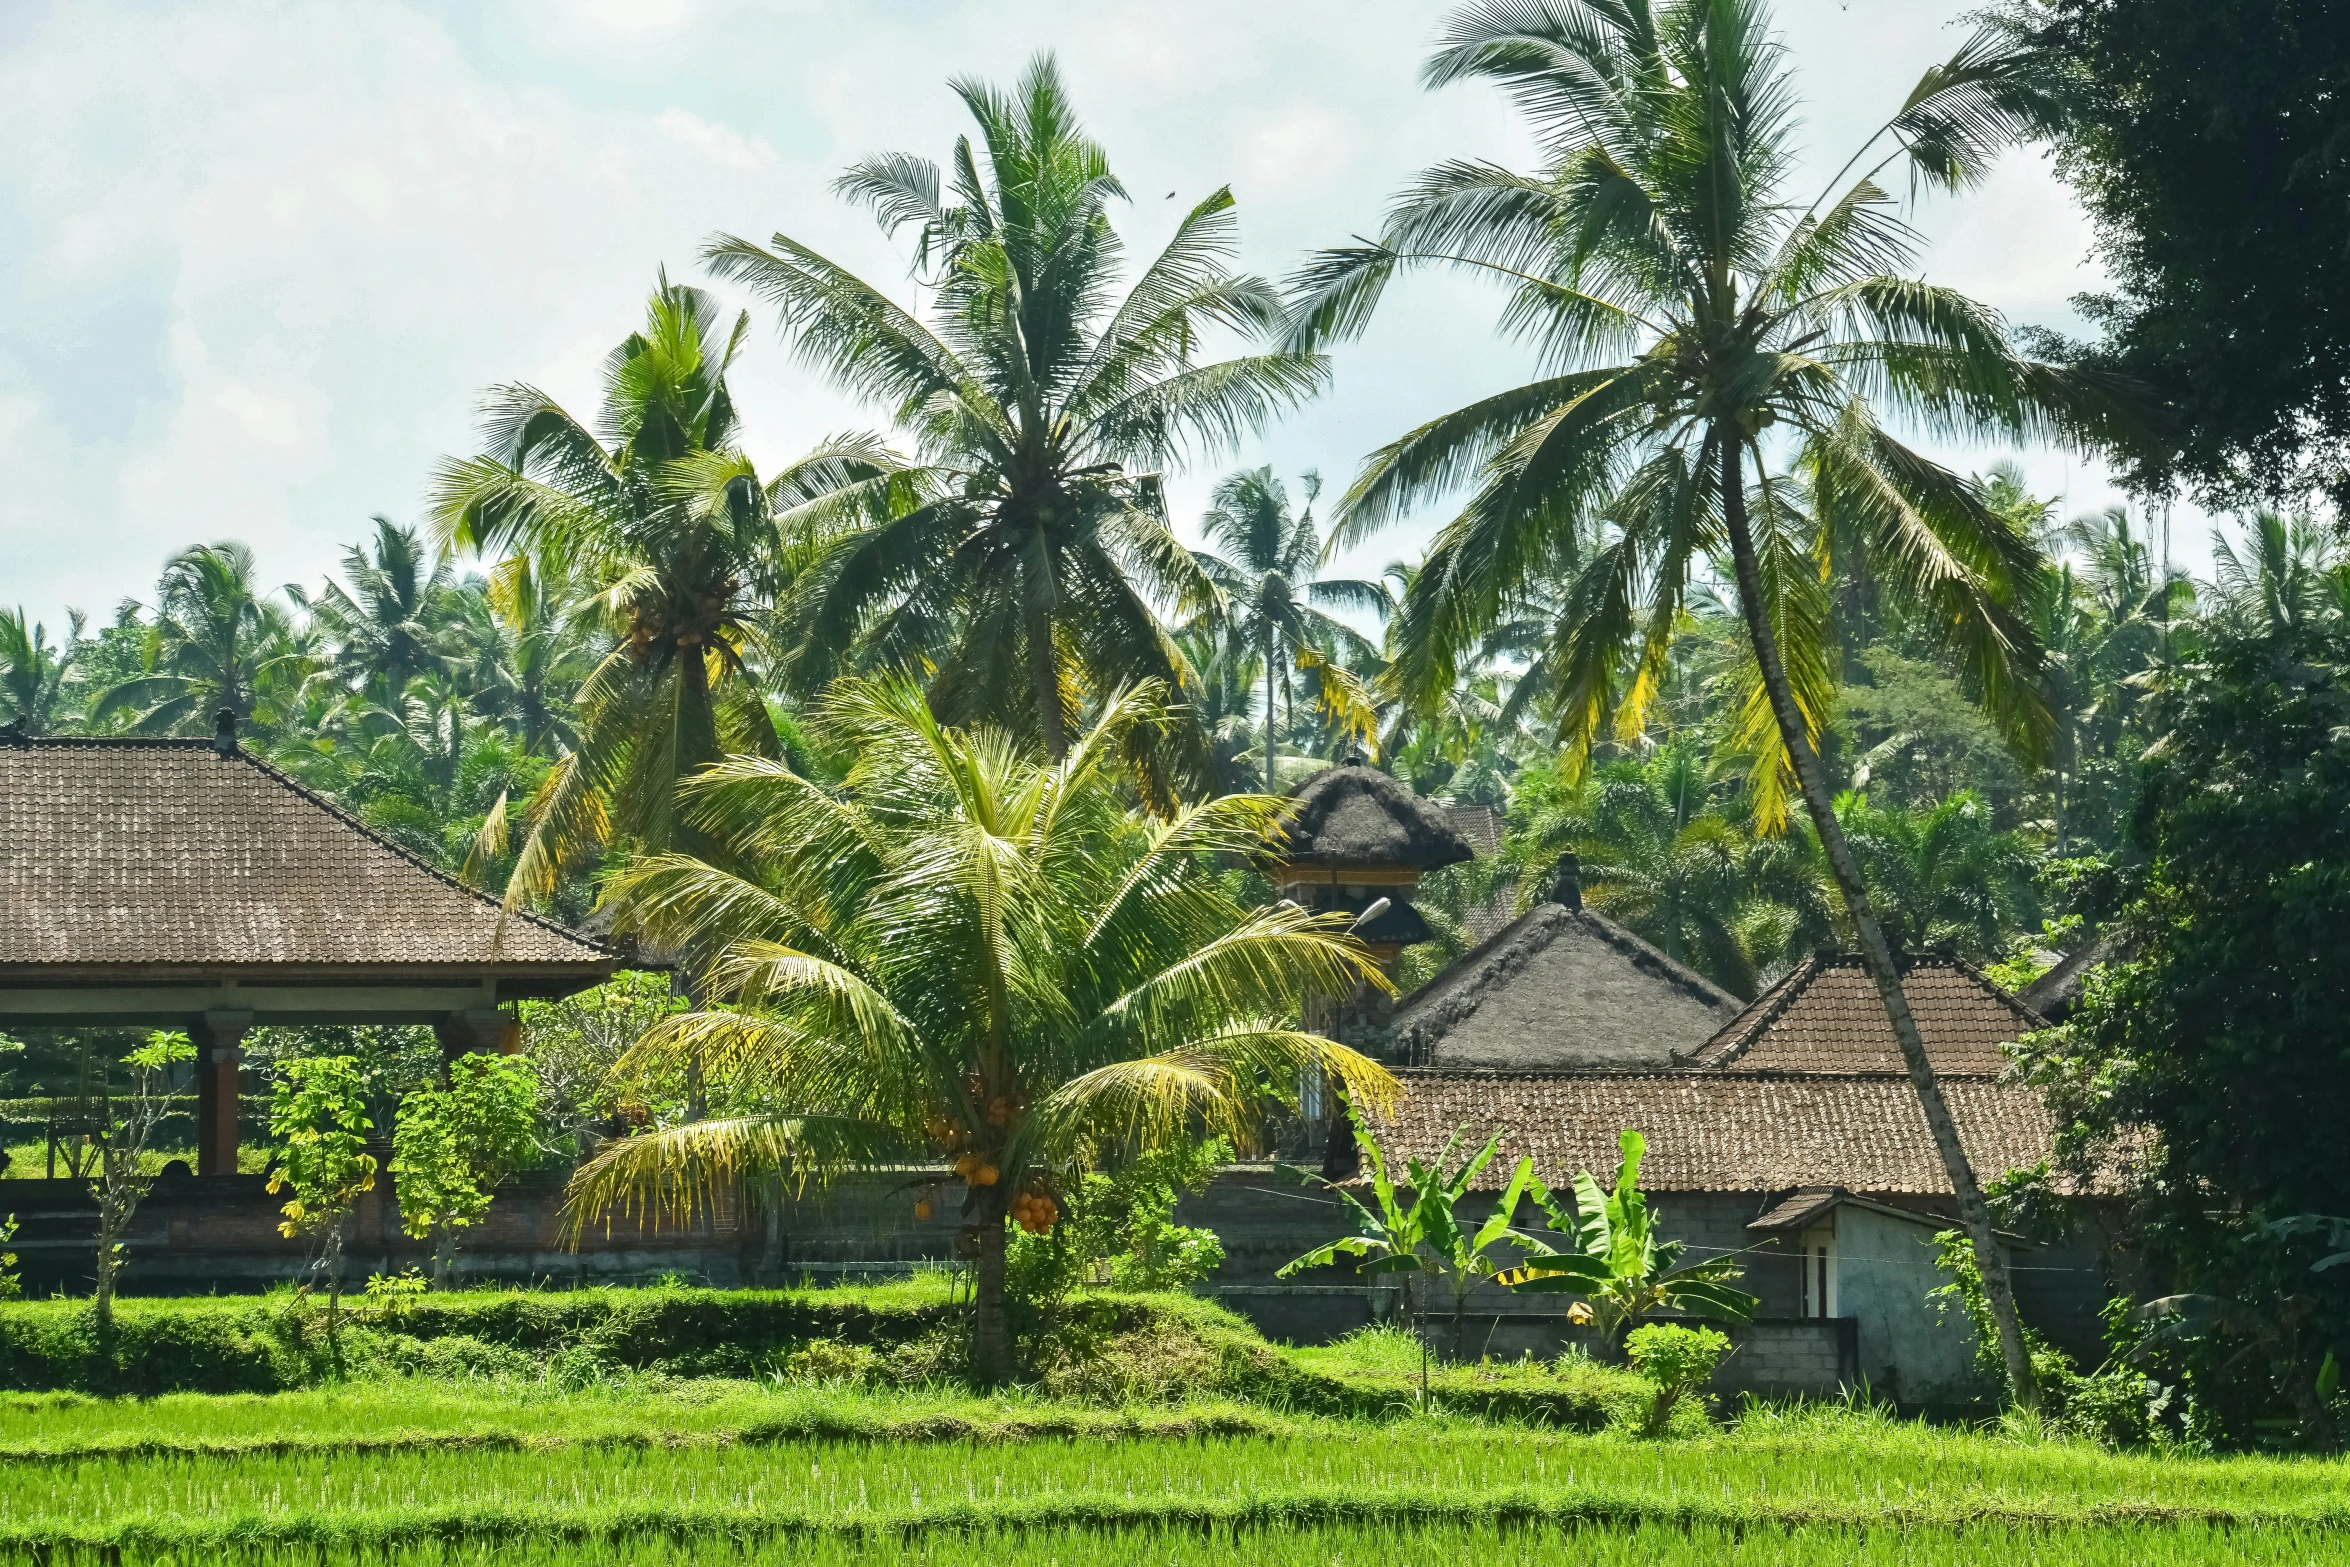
(1044,409)
(523,650)
(217,642)
(1944,876)
(1223,674)
(1688,313)
(1266,572)
(2283,579)
(968,953)
(382,627)
(672,534)
(32,673)
(2109,625)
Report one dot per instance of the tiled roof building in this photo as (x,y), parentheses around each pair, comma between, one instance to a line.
(187,884)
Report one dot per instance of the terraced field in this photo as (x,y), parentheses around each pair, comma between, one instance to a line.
(661,1471)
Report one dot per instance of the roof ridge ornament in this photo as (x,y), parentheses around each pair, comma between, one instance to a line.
(224,733)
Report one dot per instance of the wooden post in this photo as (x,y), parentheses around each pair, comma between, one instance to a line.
(219,1049)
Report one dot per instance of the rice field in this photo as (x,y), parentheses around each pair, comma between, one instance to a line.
(693,1472)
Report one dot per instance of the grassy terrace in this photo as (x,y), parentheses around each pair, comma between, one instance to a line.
(598,1462)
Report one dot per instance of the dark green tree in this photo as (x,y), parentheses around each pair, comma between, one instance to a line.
(2211,147)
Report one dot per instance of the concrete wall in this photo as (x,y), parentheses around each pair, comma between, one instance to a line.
(1884,1272)
(197,1236)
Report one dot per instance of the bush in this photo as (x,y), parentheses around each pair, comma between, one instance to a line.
(1677,1362)
(832,1361)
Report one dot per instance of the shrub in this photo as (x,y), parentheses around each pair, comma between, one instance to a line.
(832,1361)
(1677,1362)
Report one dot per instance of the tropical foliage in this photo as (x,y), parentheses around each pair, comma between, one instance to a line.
(967,952)
(1616,1261)
(1044,406)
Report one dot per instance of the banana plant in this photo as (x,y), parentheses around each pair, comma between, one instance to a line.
(1424,1239)
(1616,1263)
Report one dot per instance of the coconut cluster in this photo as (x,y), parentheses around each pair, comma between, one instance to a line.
(1035,1212)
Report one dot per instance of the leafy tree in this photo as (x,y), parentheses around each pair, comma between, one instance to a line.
(452,1145)
(120,1178)
(217,641)
(966,951)
(1045,408)
(1678,1363)
(1684,307)
(1266,572)
(318,1111)
(32,673)
(2205,142)
(670,530)
(1616,1263)
(2210,1050)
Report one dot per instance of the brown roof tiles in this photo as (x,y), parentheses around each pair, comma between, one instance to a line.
(160,852)
(1825,1016)
(1720,1131)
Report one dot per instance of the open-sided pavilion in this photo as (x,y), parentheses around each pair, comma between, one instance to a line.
(188,884)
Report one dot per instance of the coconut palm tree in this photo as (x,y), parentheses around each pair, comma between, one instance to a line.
(32,673)
(383,627)
(674,538)
(1944,876)
(1044,405)
(524,649)
(1266,572)
(2283,578)
(1695,321)
(971,954)
(217,642)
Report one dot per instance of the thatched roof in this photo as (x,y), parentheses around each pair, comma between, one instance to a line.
(1560,987)
(1825,1016)
(148,854)
(1354,814)
(1719,1131)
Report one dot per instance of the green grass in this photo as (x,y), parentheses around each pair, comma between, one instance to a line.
(1536,1545)
(562,1455)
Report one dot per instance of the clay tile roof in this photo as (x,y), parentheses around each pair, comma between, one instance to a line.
(1799,1208)
(1557,988)
(162,852)
(1825,1016)
(1719,1131)
(1480,826)
(1358,815)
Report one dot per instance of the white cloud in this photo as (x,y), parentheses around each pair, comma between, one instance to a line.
(727,148)
(265,254)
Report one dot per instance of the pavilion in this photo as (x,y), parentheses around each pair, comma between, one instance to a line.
(188,884)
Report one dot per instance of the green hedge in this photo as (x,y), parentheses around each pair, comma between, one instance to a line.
(1094,1349)
(262,1344)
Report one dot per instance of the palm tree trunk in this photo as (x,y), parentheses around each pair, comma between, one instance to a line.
(1271,787)
(1044,676)
(1878,957)
(991,1332)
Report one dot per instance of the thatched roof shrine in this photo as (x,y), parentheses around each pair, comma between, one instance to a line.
(1354,815)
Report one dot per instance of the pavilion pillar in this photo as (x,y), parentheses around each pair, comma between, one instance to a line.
(220,1042)
(486,1030)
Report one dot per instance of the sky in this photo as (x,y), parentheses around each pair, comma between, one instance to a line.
(261,259)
